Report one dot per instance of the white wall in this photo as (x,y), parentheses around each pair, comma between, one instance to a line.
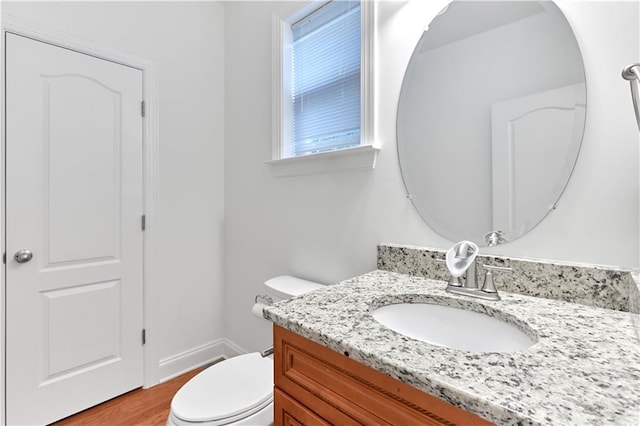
(326,227)
(186,42)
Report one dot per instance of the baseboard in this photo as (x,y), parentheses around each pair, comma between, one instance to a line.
(197,357)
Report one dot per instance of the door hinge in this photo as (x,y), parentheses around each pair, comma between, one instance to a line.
(144,336)
(143,222)
(143,109)
(4,258)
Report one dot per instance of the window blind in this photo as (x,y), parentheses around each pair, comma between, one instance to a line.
(326,79)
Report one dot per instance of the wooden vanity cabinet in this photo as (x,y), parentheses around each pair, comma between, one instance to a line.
(317,386)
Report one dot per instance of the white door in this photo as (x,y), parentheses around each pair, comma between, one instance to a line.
(74,200)
(535,140)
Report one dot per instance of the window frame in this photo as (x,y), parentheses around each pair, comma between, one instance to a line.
(362,156)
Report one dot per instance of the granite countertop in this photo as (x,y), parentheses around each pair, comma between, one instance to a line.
(583,370)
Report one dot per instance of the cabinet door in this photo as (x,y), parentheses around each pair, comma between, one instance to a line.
(289,412)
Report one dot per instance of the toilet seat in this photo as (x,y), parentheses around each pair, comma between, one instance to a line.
(226,392)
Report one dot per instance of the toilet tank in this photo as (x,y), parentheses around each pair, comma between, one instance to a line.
(286,286)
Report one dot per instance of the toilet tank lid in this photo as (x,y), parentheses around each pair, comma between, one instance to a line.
(286,286)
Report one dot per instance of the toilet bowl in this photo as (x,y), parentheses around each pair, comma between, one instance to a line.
(239,390)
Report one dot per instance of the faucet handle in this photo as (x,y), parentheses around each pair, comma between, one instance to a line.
(488,286)
(454,282)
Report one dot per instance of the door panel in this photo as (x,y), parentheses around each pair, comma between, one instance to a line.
(74,198)
(71,345)
(90,179)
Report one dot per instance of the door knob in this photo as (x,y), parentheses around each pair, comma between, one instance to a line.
(23,256)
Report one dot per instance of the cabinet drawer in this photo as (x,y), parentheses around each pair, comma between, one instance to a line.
(343,391)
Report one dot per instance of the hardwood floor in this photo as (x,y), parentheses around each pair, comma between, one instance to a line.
(139,407)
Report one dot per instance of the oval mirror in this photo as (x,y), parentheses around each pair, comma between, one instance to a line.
(490,118)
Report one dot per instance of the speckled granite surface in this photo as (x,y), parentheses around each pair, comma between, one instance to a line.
(588,285)
(584,369)
(634,301)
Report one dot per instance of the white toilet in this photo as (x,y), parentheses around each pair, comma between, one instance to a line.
(239,390)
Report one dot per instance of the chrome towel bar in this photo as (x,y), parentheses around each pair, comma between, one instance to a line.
(632,73)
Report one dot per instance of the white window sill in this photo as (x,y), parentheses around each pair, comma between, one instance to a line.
(357,158)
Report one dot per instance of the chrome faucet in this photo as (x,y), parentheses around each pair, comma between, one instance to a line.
(463,251)
(470,287)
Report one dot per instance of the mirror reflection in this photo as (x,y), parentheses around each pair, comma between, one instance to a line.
(490,118)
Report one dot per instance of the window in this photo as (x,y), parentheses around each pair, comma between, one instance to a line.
(325,74)
(322,88)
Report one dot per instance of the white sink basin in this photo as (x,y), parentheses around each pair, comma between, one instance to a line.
(452,327)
